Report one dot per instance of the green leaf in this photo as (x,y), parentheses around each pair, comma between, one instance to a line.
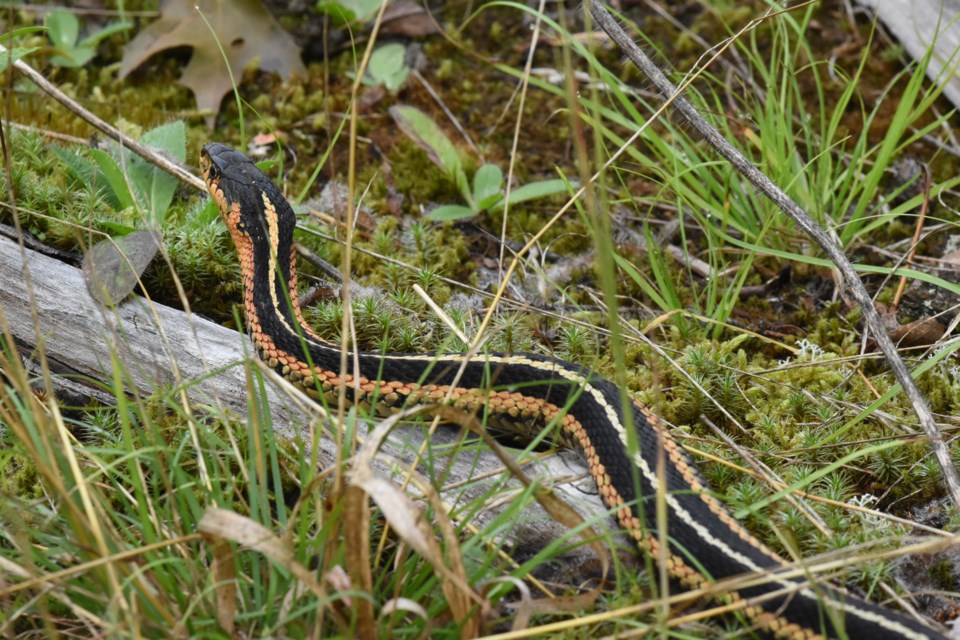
(487,184)
(204,215)
(73,57)
(540,189)
(645,285)
(346,11)
(420,128)
(387,67)
(117,228)
(170,137)
(155,187)
(20,33)
(12,55)
(463,186)
(79,167)
(451,212)
(106,32)
(64,29)
(118,191)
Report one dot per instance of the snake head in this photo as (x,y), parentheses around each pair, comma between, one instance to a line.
(248,201)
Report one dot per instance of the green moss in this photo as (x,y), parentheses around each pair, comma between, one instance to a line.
(381,324)
(20,477)
(203,259)
(417,178)
(942,575)
(710,373)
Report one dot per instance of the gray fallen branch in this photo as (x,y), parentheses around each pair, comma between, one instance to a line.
(920,25)
(766,186)
(162,348)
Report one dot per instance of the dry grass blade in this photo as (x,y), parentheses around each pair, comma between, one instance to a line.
(525,608)
(403,604)
(221,524)
(407,520)
(224,584)
(356,528)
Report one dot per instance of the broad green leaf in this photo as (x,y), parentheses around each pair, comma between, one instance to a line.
(540,189)
(420,128)
(119,190)
(170,137)
(73,57)
(64,29)
(487,183)
(12,55)
(112,267)
(345,11)
(387,67)
(106,32)
(451,212)
(154,186)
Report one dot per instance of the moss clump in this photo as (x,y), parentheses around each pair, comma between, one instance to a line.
(710,387)
(201,255)
(430,253)
(20,477)
(380,324)
(52,207)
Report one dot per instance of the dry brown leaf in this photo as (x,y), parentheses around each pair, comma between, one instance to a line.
(112,267)
(919,333)
(337,578)
(408,19)
(247,32)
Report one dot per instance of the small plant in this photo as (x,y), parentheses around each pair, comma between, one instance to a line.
(12,54)
(387,68)
(68,50)
(346,11)
(113,266)
(486,193)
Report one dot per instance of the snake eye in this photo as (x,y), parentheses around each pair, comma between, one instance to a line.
(209,168)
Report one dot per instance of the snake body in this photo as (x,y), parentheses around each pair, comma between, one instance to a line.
(704,542)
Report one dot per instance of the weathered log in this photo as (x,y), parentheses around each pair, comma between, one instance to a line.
(921,24)
(159,346)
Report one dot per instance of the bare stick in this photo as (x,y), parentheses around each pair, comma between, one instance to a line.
(766,186)
(144,152)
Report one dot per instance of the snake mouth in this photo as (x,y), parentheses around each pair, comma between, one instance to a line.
(211,177)
(209,170)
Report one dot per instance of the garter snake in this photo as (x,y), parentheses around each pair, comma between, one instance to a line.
(705,542)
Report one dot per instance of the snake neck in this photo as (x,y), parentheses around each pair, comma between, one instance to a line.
(274,316)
